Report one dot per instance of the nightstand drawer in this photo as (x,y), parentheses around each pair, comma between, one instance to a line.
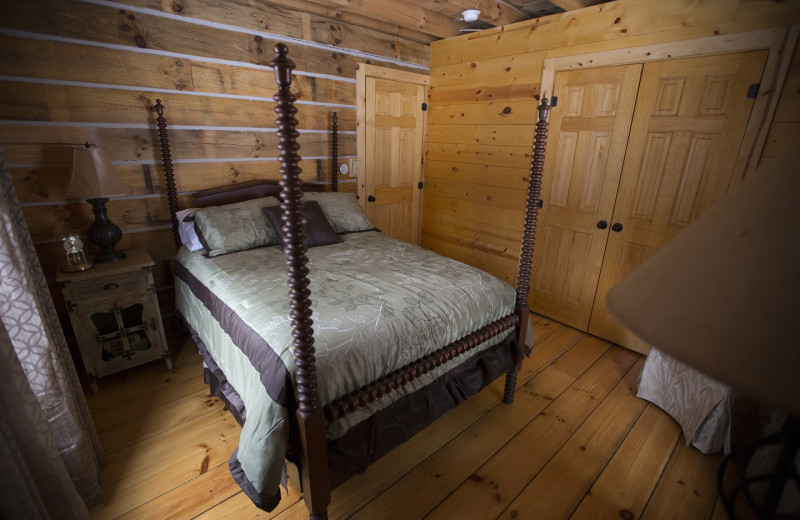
(109,286)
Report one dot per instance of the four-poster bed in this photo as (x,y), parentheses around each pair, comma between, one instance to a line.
(399,334)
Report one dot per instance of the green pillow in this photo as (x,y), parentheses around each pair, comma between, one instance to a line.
(235,227)
(342,210)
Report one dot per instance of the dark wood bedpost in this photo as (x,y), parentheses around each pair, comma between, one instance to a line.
(166,157)
(310,418)
(528,238)
(335,153)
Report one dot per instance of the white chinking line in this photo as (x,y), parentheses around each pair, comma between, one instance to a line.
(43,37)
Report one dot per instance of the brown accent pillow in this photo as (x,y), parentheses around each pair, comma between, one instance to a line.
(318,230)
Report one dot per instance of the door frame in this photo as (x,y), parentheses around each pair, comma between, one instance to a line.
(363,71)
(780,42)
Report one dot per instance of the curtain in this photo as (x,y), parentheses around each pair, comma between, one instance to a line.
(50,454)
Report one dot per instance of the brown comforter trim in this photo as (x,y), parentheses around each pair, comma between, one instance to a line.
(273,373)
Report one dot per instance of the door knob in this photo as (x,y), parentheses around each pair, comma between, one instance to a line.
(616,227)
(371,198)
(602,224)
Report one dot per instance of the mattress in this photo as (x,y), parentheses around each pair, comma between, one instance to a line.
(378,304)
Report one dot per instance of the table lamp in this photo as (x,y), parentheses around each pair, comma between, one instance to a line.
(724,297)
(94,179)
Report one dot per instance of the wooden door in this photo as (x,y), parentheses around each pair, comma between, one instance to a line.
(687,129)
(394,152)
(589,131)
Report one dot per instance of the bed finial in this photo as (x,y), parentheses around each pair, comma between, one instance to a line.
(282,66)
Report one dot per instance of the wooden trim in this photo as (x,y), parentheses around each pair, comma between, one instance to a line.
(780,42)
(775,70)
(375,71)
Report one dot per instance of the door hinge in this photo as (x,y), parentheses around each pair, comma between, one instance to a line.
(752,90)
(419,185)
(424,107)
(553,101)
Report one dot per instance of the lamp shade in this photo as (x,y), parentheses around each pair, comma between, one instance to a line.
(724,295)
(93,176)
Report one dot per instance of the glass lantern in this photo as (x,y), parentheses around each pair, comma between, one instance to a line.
(76,256)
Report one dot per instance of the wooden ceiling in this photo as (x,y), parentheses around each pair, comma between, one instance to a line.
(429,20)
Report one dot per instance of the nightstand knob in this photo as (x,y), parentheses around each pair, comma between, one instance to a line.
(110,286)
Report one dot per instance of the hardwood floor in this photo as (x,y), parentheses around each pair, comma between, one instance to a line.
(576,443)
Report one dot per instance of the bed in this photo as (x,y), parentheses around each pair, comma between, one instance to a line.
(373,340)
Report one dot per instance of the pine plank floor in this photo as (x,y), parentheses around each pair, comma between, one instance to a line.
(576,443)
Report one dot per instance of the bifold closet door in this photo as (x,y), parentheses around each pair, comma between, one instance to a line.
(687,129)
(588,133)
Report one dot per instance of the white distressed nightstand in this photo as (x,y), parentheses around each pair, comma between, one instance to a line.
(114,312)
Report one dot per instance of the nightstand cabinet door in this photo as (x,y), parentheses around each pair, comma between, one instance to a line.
(115,315)
(119,334)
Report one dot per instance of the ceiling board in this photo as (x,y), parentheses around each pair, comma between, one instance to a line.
(428,20)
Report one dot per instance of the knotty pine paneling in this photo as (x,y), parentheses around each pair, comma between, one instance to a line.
(485,87)
(82,71)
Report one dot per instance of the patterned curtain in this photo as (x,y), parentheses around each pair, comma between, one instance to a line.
(50,454)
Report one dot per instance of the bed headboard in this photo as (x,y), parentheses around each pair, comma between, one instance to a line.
(233,192)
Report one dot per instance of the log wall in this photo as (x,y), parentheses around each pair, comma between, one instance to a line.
(485,89)
(75,71)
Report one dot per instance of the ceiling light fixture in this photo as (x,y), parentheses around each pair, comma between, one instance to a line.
(471,15)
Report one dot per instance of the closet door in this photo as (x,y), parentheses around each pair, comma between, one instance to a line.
(687,129)
(588,133)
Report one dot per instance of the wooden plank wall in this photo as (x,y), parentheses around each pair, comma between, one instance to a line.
(483,98)
(74,71)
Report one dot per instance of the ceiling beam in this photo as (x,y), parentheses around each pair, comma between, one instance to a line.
(402,13)
(336,13)
(572,5)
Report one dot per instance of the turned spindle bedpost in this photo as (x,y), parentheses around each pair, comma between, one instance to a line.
(310,418)
(166,157)
(528,238)
(335,153)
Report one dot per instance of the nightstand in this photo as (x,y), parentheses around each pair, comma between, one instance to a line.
(114,312)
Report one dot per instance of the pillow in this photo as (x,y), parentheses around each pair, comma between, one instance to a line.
(342,210)
(318,230)
(186,230)
(235,227)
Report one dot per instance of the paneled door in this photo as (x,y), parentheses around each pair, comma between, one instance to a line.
(589,132)
(394,150)
(687,128)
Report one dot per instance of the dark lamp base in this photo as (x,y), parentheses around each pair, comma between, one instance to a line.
(109,256)
(103,233)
